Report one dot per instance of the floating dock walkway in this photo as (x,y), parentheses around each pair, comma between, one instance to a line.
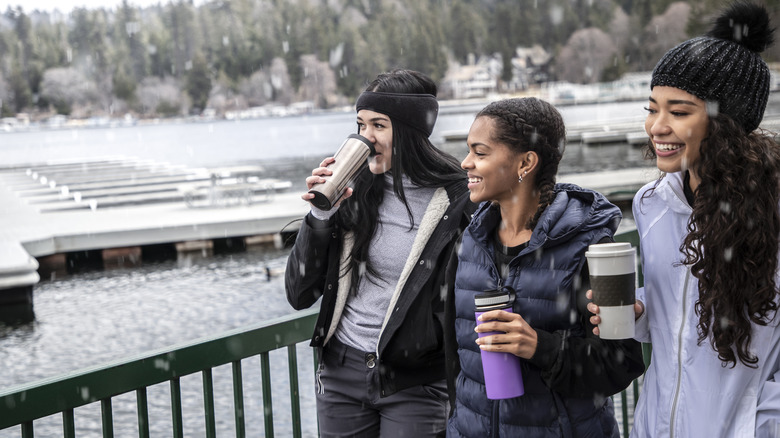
(57,216)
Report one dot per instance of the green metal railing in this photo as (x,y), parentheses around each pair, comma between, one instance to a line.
(20,406)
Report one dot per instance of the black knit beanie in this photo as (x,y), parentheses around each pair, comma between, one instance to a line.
(724,67)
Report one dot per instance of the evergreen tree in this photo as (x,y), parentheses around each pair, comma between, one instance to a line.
(19,90)
(465,30)
(198,82)
(130,38)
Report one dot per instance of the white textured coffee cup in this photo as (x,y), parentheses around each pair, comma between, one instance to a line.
(612,268)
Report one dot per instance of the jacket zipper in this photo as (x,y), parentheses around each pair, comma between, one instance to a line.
(499,284)
(673,416)
(318,382)
(500,281)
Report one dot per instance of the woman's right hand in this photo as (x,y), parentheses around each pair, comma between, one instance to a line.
(318,177)
(639,309)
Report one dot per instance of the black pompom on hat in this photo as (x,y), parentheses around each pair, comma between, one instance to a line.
(724,67)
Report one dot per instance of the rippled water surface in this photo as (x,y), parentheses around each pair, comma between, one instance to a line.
(97,317)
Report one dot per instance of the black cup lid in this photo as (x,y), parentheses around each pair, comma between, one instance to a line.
(366,141)
(320,200)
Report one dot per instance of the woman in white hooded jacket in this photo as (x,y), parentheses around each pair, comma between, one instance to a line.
(708,232)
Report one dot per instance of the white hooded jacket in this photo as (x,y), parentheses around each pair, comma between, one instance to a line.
(687,391)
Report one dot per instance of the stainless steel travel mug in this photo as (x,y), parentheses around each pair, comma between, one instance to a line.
(348,159)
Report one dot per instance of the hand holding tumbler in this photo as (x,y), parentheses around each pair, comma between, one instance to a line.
(503,377)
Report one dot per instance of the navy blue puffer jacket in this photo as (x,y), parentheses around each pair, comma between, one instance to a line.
(545,276)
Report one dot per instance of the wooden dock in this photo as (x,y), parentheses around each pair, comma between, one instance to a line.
(112,208)
(56,215)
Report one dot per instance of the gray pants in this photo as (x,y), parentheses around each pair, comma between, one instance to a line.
(349,405)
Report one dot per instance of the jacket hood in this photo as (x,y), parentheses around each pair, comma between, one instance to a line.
(574,210)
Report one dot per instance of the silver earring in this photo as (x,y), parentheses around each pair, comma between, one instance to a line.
(520,178)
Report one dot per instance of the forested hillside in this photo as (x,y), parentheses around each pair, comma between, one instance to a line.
(178,58)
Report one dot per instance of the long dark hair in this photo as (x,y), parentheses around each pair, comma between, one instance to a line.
(529,124)
(413,155)
(732,239)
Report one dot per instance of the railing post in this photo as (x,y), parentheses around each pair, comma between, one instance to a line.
(268,410)
(68,424)
(27,430)
(295,397)
(143,412)
(624,403)
(238,399)
(208,403)
(636,392)
(178,423)
(108,418)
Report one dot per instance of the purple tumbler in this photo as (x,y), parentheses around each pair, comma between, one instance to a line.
(503,378)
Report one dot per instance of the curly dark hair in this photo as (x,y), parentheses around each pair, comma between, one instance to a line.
(732,239)
(530,124)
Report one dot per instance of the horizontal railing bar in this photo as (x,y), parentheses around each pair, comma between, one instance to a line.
(35,400)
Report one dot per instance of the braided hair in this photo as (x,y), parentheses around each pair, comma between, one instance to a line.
(531,125)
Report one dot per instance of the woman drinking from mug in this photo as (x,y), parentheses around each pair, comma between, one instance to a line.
(377,259)
(529,235)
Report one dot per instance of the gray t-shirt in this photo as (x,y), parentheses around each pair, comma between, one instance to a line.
(365,310)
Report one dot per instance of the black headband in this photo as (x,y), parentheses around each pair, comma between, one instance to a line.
(416,110)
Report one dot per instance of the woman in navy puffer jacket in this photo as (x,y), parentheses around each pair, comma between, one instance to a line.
(531,235)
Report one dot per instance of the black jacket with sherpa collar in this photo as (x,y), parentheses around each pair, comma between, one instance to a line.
(410,347)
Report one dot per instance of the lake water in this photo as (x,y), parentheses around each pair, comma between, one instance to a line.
(225,142)
(96,317)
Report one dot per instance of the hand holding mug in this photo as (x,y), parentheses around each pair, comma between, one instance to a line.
(503,337)
(329,186)
(318,177)
(514,335)
(612,269)
(639,309)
